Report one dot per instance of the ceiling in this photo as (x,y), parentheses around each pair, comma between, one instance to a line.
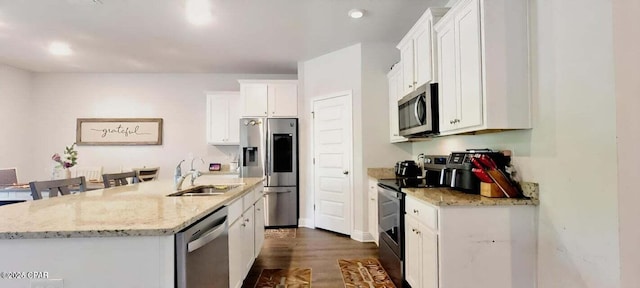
(245,36)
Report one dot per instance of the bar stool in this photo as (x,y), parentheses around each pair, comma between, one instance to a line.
(56,187)
(147,174)
(119,178)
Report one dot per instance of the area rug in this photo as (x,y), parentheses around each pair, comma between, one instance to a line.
(280,233)
(284,278)
(367,272)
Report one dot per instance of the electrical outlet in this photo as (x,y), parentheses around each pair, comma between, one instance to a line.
(47,283)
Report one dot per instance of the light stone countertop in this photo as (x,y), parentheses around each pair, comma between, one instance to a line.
(449,197)
(133,210)
(381,173)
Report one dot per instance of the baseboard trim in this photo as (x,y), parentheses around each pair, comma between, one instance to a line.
(361,236)
(306,222)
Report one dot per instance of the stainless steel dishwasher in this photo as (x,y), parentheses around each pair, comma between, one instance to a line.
(202,253)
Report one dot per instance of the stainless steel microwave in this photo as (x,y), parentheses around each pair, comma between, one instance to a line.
(418,112)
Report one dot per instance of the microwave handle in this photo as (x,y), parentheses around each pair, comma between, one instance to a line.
(417,107)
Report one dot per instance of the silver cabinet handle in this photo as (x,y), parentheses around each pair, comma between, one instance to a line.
(207,237)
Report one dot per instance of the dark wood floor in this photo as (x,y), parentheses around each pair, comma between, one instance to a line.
(316,249)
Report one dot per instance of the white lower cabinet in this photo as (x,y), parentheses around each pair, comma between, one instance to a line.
(373,209)
(246,235)
(235,254)
(422,256)
(259,226)
(469,246)
(248,240)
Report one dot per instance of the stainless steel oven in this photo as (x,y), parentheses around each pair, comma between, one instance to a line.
(418,112)
(202,252)
(391,227)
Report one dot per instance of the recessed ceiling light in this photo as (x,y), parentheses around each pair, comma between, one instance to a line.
(59,49)
(356,13)
(199,12)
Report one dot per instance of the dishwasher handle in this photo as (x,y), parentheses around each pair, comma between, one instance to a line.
(207,237)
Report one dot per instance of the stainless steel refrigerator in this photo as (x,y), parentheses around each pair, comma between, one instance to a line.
(269,147)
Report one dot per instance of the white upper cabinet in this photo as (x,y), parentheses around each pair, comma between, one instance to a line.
(269,98)
(223,115)
(417,52)
(483,67)
(394,94)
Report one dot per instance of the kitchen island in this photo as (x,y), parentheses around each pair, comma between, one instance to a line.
(117,237)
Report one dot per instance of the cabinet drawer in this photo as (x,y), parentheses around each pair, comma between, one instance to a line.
(425,213)
(235,210)
(258,193)
(248,200)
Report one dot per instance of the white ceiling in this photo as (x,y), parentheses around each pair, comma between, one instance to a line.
(246,36)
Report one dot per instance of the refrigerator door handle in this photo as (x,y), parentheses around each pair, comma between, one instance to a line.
(277,192)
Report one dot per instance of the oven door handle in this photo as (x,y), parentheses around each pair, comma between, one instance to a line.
(207,237)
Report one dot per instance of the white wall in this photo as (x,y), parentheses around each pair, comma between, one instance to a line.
(361,68)
(377,59)
(626,42)
(16,117)
(328,74)
(571,151)
(179,99)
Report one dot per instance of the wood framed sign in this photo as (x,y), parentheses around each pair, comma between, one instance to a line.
(119,131)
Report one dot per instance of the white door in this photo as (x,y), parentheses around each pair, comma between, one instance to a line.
(332,142)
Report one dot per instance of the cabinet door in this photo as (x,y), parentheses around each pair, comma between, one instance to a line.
(447,76)
(259,226)
(217,118)
(423,55)
(254,100)
(248,240)
(413,260)
(373,209)
(406,58)
(467,27)
(429,251)
(283,100)
(233,136)
(236,265)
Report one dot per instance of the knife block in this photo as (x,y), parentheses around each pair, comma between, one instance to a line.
(490,190)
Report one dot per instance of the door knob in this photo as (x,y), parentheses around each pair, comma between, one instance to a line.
(345,172)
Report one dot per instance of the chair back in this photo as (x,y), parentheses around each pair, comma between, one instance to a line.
(89,173)
(56,187)
(118,179)
(8,176)
(147,174)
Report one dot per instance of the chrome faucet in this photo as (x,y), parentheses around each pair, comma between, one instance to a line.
(178,173)
(192,172)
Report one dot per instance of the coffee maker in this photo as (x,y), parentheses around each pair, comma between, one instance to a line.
(458,172)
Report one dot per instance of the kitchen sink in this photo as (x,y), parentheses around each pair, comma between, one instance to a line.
(209,190)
